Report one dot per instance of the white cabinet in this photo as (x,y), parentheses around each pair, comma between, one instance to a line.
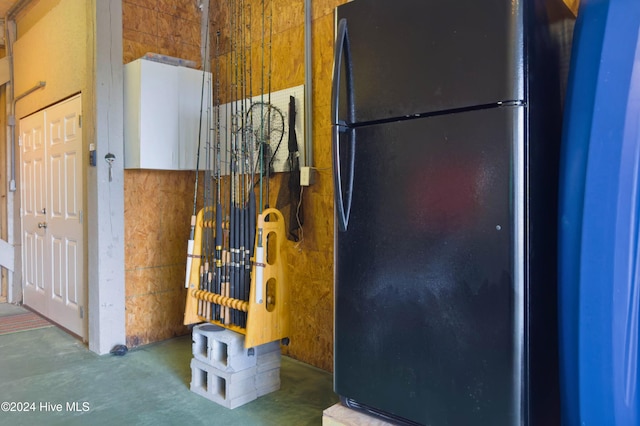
(162,115)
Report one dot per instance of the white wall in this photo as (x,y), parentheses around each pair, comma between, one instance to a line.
(52,50)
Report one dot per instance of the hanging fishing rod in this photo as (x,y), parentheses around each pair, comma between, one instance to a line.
(226,240)
(232,161)
(234,237)
(261,145)
(243,168)
(260,241)
(209,232)
(264,123)
(251,201)
(259,250)
(235,225)
(192,230)
(209,224)
(242,211)
(268,136)
(237,202)
(205,281)
(218,174)
(231,215)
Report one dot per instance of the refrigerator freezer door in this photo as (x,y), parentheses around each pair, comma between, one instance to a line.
(428,301)
(413,56)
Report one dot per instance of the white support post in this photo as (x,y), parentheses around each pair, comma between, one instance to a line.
(105,197)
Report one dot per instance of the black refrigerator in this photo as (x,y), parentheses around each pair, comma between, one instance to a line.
(446,132)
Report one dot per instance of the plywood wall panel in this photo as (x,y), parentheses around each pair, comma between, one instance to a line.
(287,56)
(311,260)
(158,204)
(185,9)
(132,50)
(157,213)
(137,17)
(157,226)
(314,342)
(310,267)
(145,313)
(161,26)
(312,326)
(285,14)
(323,44)
(150,4)
(180,30)
(322,8)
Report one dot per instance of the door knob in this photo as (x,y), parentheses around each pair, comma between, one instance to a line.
(42,224)
(43,211)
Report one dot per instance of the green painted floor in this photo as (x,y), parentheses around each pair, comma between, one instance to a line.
(40,369)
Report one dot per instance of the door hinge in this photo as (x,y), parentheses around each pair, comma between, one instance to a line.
(81,312)
(80,120)
(19,140)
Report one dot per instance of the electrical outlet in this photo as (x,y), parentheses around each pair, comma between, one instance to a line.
(307,176)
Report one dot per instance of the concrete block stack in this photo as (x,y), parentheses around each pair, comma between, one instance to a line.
(223,371)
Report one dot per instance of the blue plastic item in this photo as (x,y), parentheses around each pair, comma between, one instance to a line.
(598,219)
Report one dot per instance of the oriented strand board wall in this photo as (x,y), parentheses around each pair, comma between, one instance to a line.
(169,27)
(158,204)
(310,262)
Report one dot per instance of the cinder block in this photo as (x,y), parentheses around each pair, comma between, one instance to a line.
(221,348)
(268,347)
(268,361)
(267,382)
(268,364)
(229,389)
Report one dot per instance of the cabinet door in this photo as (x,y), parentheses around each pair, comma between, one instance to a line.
(151,115)
(159,112)
(196,117)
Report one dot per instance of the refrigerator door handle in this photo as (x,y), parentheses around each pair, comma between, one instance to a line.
(342,50)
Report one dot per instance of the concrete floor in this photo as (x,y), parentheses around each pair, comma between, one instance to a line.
(147,386)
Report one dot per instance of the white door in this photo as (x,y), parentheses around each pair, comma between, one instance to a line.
(34,205)
(53,236)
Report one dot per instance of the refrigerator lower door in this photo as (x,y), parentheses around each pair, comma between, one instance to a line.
(429,321)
